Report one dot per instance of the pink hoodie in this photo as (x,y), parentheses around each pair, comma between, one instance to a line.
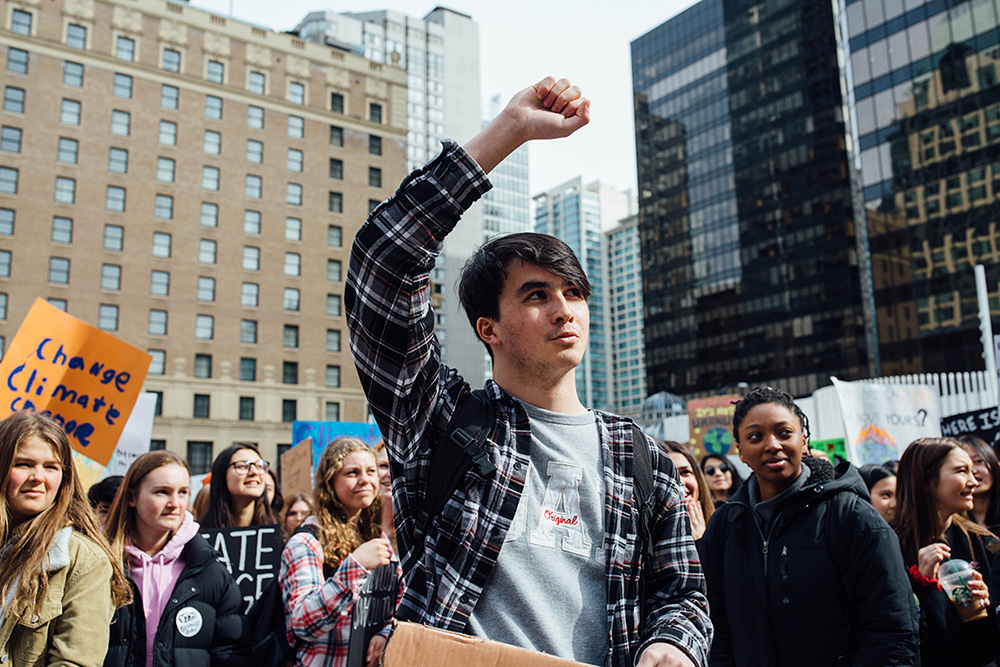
(155,576)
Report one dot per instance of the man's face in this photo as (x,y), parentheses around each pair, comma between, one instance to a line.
(544,323)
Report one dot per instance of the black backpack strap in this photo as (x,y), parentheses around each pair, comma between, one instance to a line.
(642,474)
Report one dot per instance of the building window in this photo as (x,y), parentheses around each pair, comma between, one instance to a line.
(251,222)
(20,22)
(289,372)
(294,160)
(293,264)
(114,237)
(257,83)
(62,230)
(374,145)
(203,365)
(114,199)
(202,406)
(13,99)
(296,127)
(72,74)
(290,337)
(5,261)
(209,214)
(293,194)
(255,118)
(111,277)
(159,283)
(333,340)
(58,270)
(165,168)
(210,178)
(246,408)
(65,190)
(255,151)
(336,135)
(8,181)
(375,113)
(335,236)
(76,36)
(251,258)
(296,92)
(372,205)
(249,295)
(164,207)
(212,143)
(213,107)
(333,305)
(293,229)
(253,186)
(331,411)
(291,299)
(199,457)
(107,317)
(216,72)
(289,413)
(248,332)
(122,86)
(206,288)
(336,202)
(17,61)
(125,49)
(171,60)
(333,376)
(161,244)
(159,363)
(157,323)
(118,160)
(169,96)
(10,141)
(204,327)
(69,112)
(7,221)
(206,251)
(336,168)
(336,106)
(333,270)
(248,369)
(374,177)
(121,122)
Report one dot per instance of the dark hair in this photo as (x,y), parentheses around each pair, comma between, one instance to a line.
(763,395)
(485,272)
(737,477)
(873,473)
(989,457)
(704,495)
(104,491)
(278,502)
(220,501)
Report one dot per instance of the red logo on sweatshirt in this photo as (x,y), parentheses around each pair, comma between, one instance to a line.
(561,520)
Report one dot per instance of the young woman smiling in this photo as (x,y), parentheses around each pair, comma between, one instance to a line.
(237,494)
(986,470)
(186,606)
(59,583)
(723,479)
(697,498)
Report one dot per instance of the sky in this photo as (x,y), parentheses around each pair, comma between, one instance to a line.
(521,42)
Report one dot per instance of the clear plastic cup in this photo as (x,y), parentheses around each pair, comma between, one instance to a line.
(954,576)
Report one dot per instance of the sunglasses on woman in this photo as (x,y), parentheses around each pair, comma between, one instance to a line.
(722,467)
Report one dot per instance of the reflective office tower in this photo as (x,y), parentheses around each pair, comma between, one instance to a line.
(746,225)
(507,207)
(440,54)
(579,214)
(626,341)
(926,108)
(191,183)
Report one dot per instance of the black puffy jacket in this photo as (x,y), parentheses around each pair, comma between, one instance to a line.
(824,586)
(210,606)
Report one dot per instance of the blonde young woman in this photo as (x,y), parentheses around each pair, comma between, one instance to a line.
(59,583)
(321,573)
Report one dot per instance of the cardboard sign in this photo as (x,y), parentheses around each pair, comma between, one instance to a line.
(296,469)
(323,433)
(84,378)
(252,555)
(414,645)
(983,424)
(372,610)
(710,423)
(881,420)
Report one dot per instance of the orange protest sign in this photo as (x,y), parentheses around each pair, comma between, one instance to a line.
(84,378)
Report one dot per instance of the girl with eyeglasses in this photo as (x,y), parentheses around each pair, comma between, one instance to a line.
(185,606)
(723,479)
(237,497)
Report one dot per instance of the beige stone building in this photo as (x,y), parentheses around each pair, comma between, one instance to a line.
(192,183)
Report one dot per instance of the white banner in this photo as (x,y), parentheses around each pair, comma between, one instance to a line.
(135,437)
(882,419)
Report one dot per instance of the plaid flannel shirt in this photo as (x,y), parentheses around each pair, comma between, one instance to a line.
(318,610)
(413,395)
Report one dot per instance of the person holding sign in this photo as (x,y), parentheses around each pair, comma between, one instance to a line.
(185,606)
(237,496)
(326,561)
(59,583)
(935,491)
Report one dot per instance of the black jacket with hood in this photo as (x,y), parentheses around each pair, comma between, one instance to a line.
(824,584)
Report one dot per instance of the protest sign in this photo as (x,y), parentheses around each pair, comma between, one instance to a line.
(372,611)
(882,419)
(252,555)
(134,441)
(710,422)
(85,379)
(323,433)
(983,424)
(296,469)
(832,448)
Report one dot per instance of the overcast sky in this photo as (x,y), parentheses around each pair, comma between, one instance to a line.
(521,41)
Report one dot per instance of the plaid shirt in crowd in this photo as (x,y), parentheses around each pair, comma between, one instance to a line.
(413,395)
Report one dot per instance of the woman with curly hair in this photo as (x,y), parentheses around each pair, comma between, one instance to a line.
(322,568)
(59,582)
